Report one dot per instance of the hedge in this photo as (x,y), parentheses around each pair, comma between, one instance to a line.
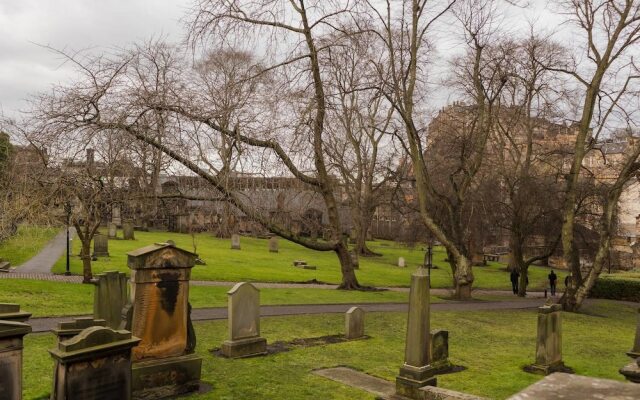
(616,289)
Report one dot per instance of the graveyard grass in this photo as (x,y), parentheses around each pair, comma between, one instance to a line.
(26,243)
(493,345)
(255,263)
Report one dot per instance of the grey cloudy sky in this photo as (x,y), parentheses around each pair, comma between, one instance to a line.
(26,68)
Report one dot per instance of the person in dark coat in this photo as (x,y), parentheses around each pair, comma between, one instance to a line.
(515,276)
(553,280)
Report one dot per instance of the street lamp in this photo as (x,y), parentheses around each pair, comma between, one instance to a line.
(67,209)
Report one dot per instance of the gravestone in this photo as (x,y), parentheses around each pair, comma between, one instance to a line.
(635,351)
(68,329)
(163,362)
(100,245)
(11,312)
(113,231)
(235,242)
(417,370)
(244,322)
(440,350)
(549,341)
(354,323)
(273,244)
(95,364)
(127,231)
(401,262)
(5,266)
(110,296)
(11,335)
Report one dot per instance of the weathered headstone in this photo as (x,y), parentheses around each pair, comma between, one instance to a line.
(635,351)
(440,350)
(127,231)
(11,334)
(273,244)
(235,242)
(95,364)
(113,231)
(11,312)
(100,245)
(163,362)
(354,323)
(549,341)
(401,262)
(68,329)
(244,322)
(417,370)
(110,296)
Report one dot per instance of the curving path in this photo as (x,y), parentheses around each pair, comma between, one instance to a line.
(42,262)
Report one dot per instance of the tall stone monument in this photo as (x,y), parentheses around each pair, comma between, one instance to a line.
(417,370)
(110,296)
(100,245)
(11,334)
(354,323)
(549,341)
(94,365)
(235,242)
(127,231)
(163,363)
(273,244)
(244,322)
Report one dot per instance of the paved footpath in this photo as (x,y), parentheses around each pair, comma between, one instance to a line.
(217,313)
(42,262)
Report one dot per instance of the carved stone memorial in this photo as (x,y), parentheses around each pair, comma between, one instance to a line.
(127,231)
(110,296)
(273,244)
(68,329)
(401,262)
(549,341)
(163,363)
(354,323)
(440,350)
(100,245)
(11,312)
(244,322)
(113,231)
(235,242)
(11,334)
(95,364)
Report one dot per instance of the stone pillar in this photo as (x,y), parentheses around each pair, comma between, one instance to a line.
(417,371)
(100,245)
(244,323)
(110,296)
(354,323)
(549,341)
(235,242)
(635,351)
(96,364)
(632,371)
(127,231)
(273,244)
(11,334)
(68,329)
(113,231)
(11,312)
(163,362)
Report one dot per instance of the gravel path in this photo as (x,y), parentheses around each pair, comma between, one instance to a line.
(42,262)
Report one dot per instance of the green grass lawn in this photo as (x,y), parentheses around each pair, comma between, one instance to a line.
(494,346)
(26,243)
(255,263)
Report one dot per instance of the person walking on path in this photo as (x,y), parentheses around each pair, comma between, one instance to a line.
(553,279)
(515,276)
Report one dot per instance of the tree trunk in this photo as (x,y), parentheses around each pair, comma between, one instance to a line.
(85,255)
(462,276)
(349,280)
(362,228)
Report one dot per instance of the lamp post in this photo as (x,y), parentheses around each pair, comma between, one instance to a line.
(67,209)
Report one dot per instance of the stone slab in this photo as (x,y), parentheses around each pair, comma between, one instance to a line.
(350,377)
(567,386)
(244,348)
(632,371)
(166,378)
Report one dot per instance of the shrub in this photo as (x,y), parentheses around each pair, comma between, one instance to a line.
(616,289)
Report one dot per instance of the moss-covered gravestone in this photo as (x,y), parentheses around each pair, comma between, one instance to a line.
(244,322)
(111,295)
(95,364)
(273,244)
(235,242)
(11,334)
(113,231)
(11,312)
(100,245)
(440,350)
(549,341)
(127,231)
(163,363)
(354,323)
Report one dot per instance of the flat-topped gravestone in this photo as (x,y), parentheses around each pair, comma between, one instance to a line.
(11,312)
(235,242)
(110,296)
(417,370)
(549,341)
(273,244)
(354,323)
(113,231)
(11,335)
(100,245)
(635,351)
(93,365)
(244,322)
(163,362)
(68,329)
(401,262)
(440,350)
(127,231)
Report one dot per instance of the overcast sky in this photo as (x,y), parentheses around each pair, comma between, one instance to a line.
(27,68)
